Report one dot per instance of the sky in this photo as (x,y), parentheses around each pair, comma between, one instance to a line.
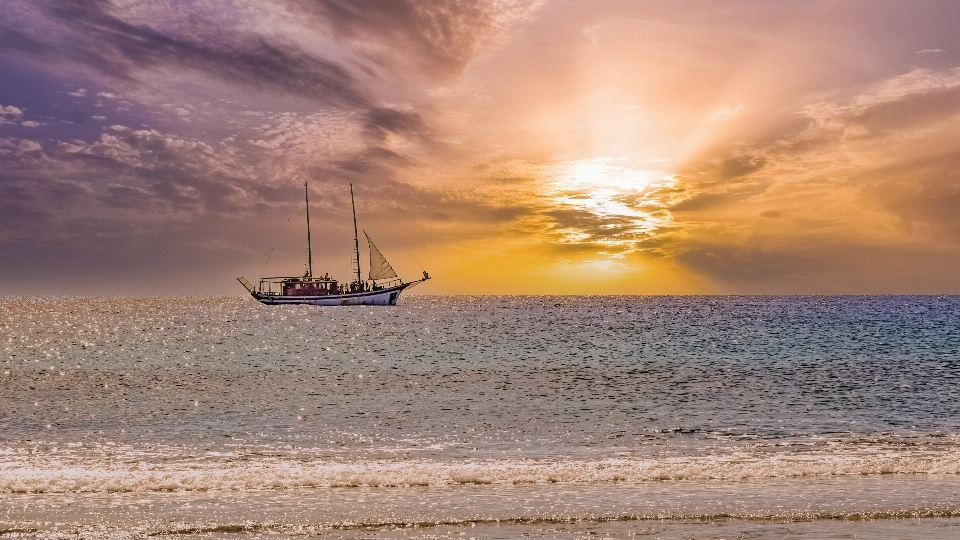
(508,146)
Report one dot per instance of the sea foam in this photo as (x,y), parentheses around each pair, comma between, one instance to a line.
(59,476)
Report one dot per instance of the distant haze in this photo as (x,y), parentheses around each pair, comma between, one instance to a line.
(508,146)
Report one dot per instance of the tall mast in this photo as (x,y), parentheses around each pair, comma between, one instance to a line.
(356,241)
(306,194)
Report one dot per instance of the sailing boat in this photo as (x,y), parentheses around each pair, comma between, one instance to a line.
(382,288)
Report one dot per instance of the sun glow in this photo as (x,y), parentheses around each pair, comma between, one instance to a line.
(626,204)
(601,173)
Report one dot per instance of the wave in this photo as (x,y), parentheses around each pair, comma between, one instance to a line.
(259,528)
(30,474)
(300,529)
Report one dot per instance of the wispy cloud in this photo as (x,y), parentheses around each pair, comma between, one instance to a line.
(97,34)
(874,174)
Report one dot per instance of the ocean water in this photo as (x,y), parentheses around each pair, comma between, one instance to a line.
(481,417)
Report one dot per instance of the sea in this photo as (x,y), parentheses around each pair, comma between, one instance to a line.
(493,417)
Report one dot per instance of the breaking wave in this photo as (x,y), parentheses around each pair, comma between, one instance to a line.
(253,527)
(28,474)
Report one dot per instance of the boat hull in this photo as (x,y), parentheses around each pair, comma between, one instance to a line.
(383,297)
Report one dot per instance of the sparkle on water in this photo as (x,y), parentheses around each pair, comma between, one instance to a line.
(497,416)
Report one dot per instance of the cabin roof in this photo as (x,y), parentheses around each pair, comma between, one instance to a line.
(293,279)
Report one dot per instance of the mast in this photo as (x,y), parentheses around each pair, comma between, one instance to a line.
(356,241)
(306,194)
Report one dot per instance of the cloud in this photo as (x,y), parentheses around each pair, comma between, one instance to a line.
(916,83)
(837,267)
(381,121)
(921,193)
(929,51)
(10,110)
(145,187)
(441,36)
(27,146)
(728,113)
(337,55)
(705,201)
(464,128)
(595,205)
(879,169)
(348,136)
(95,34)
(731,167)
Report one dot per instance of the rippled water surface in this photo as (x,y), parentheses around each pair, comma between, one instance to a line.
(490,417)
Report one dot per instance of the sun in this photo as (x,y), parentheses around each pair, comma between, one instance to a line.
(624,204)
(601,174)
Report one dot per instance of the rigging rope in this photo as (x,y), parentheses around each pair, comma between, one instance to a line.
(269,254)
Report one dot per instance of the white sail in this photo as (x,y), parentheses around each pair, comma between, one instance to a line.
(379,267)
